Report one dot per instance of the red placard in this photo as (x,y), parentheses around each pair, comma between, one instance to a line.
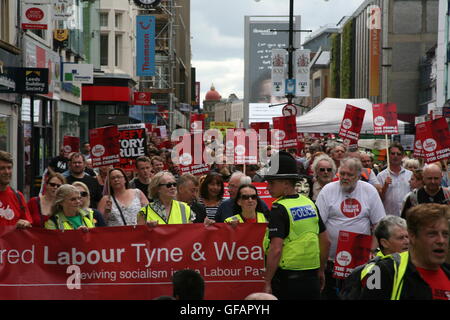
(285,132)
(241,146)
(385,118)
(263,131)
(105,147)
(71,144)
(142,98)
(190,154)
(351,125)
(435,138)
(132,262)
(263,193)
(197,123)
(353,249)
(133,144)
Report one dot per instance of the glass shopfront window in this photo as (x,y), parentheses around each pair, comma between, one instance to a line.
(5,132)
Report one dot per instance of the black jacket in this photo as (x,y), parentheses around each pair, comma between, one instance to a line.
(414,287)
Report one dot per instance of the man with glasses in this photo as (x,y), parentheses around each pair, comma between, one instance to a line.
(13,208)
(324,170)
(348,205)
(394,181)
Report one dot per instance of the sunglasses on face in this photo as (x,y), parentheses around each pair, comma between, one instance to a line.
(248,196)
(54,185)
(84,194)
(168,185)
(396,153)
(325,169)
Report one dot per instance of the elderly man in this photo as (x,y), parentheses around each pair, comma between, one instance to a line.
(338,153)
(324,170)
(392,235)
(187,191)
(394,181)
(348,205)
(431,192)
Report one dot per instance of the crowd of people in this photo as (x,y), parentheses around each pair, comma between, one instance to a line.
(319,191)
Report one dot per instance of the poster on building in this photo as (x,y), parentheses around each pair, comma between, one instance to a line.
(222,126)
(105,147)
(133,144)
(279,72)
(353,249)
(28,80)
(130,262)
(351,125)
(35,16)
(302,70)
(71,144)
(241,146)
(145,46)
(78,73)
(385,118)
(285,132)
(62,9)
(435,138)
(141,98)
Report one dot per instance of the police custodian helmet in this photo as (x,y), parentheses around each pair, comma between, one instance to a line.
(286,168)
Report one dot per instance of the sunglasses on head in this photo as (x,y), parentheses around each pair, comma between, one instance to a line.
(248,196)
(54,185)
(169,185)
(325,169)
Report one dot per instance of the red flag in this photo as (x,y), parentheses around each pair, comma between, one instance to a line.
(385,118)
(105,147)
(353,249)
(285,132)
(351,125)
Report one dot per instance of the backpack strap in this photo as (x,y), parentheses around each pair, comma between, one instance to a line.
(19,199)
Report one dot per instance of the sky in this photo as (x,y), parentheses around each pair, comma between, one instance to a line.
(217,35)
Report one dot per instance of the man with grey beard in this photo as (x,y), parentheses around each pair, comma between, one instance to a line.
(348,205)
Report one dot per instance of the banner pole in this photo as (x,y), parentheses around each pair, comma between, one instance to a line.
(387,152)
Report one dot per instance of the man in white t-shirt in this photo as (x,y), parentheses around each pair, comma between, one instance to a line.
(394,182)
(349,205)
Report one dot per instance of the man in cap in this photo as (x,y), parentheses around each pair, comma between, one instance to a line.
(298,241)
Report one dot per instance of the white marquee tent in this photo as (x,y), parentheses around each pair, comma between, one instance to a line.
(327,116)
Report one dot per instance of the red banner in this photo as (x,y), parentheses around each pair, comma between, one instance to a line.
(142,98)
(351,125)
(133,263)
(71,144)
(286,135)
(434,136)
(385,118)
(353,249)
(105,147)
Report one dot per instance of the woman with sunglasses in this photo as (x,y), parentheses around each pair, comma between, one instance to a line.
(85,203)
(324,169)
(40,206)
(163,208)
(121,204)
(66,213)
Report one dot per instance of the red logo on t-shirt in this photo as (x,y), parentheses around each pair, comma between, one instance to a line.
(350,208)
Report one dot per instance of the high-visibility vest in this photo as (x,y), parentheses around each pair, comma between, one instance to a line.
(301,247)
(180,213)
(60,222)
(260,218)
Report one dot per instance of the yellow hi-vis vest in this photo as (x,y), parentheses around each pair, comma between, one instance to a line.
(180,213)
(60,222)
(301,247)
(260,218)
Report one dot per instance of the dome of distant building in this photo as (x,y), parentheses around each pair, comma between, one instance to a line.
(212,95)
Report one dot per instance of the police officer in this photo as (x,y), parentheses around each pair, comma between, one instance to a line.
(298,240)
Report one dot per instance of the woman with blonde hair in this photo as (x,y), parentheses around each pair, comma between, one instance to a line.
(66,213)
(163,208)
(86,202)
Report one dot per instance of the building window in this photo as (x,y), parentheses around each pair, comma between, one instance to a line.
(118,49)
(5,132)
(4,20)
(103,19)
(104,50)
(118,21)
